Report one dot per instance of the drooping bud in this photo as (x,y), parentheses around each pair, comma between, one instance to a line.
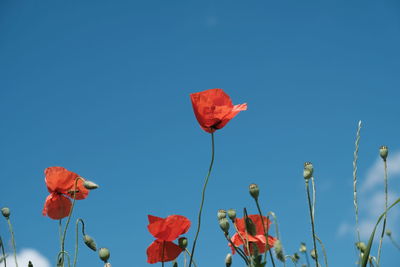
(312,253)
(6,212)
(388,233)
(361,246)
(221,214)
(89,242)
(90,185)
(104,254)
(250,226)
(383,152)
(228,260)
(303,248)
(254,191)
(279,250)
(30,264)
(182,242)
(308,170)
(296,257)
(232,214)
(224,224)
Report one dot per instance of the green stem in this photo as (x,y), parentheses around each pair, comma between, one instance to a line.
(60,261)
(323,250)
(60,232)
(355,183)
(312,223)
(162,254)
(293,260)
(237,249)
(76,238)
(194,263)
(386,206)
(265,234)
(307,259)
(394,243)
(3,252)
(13,241)
(202,199)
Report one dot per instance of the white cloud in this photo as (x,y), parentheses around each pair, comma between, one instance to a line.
(26,255)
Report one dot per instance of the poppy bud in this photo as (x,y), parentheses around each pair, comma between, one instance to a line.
(388,233)
(90,185)
(89,242)
(182,242)
(6,212)
(383,151)
(308,170)
(254,191)
(296,257)
(303,248)
(361,246)
(250,226)
(228,260)
(221,214)
(104,254)
(232,214)
(224,224)
(279,250)
(30,264)
(107,264)
(174,264)
(312,253)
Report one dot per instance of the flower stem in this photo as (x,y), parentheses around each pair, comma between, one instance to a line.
(394,243)
(266,234)
(386,206)
(162,254)
(187,251)
(312,223)
(3,252)
(202,199)
(237,249)
(13,241)
(76,238)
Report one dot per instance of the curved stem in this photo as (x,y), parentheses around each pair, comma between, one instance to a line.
(202,199)
(76,238)
(265,233)
(237,249)
(240,235)
(323,250)
(293,260)
(3,252)
(60,261)
(384,220)
(312,223)
(187,251)
(13,241)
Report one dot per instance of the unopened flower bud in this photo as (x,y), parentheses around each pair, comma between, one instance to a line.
(224,224)
(383,152)
(232,214)
(221,214)
(228,260)
(296,257)
(361,246)
(89,242)
(175,264)
(303,248)
(182,242)
(308,170)
(6,212)
(104,254)
(279,250)
(30,264)
(250,226)
(312,253)
(388,233)
(254,191)
(90,185)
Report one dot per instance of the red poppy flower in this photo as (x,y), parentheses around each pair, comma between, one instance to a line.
(258,239)
(60,183)
(166,230)
(214,109)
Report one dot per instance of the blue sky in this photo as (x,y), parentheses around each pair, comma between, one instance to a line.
(102,88)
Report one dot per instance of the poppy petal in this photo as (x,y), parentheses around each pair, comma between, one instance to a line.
(170,228)
(59,179)
(162,251)
(81,191)
(57,206)
(236,109)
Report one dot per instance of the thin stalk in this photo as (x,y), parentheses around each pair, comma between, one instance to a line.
(240,235)
(307,259)
(61,254)
(386,207)
(3,252)
(60,232)
(265,233)
(202,199)
(357,142)
(312,223)
(293,260)
(76,238)
(187,251)
(323,250)
(394,242)
(162,254)
(237,249)
(184,259)
(13,241)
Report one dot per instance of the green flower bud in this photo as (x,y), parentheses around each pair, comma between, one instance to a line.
(308,170)
(303,248)
(30,264)
(388,233)
(221,214)
(104,254)
(6,212)
(254,191)
(224,224)
(89,242)
(279,250)
(383,151)
(232,214)
(228,260)
(90,185)
(182,242)
(361,246)
(312,253)
(250,226)
(296,257)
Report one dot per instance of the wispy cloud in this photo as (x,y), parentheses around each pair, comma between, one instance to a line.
(26,255)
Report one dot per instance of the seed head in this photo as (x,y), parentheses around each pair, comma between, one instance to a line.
(383,152)
(104,254)
(254,191)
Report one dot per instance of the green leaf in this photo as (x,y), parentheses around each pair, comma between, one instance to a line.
(365,258)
